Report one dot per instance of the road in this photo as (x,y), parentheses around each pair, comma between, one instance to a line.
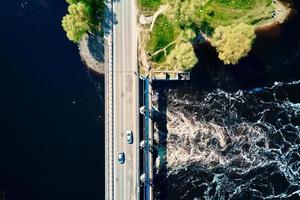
(125,92)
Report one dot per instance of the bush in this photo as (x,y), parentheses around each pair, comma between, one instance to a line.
(77,22)
(182,57)
(233,42)
(84,16)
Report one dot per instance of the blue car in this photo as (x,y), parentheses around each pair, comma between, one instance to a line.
(121,157)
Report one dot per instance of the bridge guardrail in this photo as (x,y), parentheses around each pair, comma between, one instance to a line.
(109,88)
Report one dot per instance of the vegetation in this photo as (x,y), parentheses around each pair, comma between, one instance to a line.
(209,17)
(169,47)
(226,12)
(233,42)
(77,22)
(182,57)
(161,37)
(148,5)
(83,16)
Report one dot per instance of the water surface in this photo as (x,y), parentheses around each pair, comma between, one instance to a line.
(51,123)
(233,132)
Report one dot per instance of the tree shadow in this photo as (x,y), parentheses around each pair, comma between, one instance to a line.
(109,19)
(95,45)
(95,42)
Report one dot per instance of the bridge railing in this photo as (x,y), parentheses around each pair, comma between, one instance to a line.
(147,145)
(109,102)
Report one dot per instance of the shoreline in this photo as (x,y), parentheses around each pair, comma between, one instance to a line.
(283,11)
(91,51)
(91,48)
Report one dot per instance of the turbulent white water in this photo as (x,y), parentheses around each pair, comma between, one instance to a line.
(242,145)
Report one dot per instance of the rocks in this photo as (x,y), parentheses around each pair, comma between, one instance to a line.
(91,50)
(144,20)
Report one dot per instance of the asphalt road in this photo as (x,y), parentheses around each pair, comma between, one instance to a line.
(125,99)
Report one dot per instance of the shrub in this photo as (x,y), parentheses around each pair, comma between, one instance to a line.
(233,42)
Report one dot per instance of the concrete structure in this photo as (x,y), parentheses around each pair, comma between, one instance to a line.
(121,103)
(122,107)
(170,75)
(148,138)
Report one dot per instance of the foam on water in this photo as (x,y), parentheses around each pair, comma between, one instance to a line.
(240,145)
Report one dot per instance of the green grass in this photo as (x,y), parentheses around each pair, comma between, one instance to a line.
(199,15)
(161,36)
(237,4)
(227,12)
(149,4)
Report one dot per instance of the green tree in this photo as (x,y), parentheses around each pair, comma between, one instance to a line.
(233,42)
(182,57)
(82,1)
(78,21)
(188,35)
(72,1)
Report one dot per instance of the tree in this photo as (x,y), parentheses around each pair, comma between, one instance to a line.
(188,35)
(72,1)
(77,1)
(182,57)
(77,22)
(233,42)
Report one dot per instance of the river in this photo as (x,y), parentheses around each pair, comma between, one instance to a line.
(233,132)
(52,109)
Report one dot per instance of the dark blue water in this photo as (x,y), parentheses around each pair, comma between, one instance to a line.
(51,122)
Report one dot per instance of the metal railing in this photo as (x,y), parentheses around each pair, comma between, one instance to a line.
(147,148)
(109,76)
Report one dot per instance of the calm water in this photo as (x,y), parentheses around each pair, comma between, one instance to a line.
(51,123)
(224,138)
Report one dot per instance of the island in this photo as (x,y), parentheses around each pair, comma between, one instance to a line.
(170,29)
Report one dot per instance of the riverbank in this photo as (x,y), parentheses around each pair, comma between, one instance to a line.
(277,12)
(282,12)
(91,50)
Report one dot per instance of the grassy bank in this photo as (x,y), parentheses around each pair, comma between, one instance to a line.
(162,35)
(227,12)
(199,16)
(149,5)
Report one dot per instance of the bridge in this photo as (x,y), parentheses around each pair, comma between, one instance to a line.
(122,108)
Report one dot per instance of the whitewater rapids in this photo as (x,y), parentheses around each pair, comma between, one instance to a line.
(241,145)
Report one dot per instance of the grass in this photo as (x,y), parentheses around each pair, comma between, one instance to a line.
(203,15)
(161,36)
(227,12)
(237,4)
(149,4)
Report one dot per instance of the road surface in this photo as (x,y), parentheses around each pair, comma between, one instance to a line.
(125,103)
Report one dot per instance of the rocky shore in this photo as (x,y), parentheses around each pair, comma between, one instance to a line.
(91,50)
